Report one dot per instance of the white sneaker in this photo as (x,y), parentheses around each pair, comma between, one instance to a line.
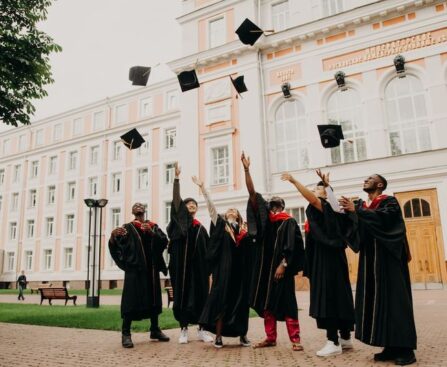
(330,349)
(183,338)
(345,343)
(204,336)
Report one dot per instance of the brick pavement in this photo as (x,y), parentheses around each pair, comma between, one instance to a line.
(23,345)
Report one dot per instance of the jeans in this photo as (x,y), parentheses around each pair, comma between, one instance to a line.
(21,289)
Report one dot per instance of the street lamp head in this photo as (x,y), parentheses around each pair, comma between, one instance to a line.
(102,202)
(90,202)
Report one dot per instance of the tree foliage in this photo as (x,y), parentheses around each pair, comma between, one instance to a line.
(24,58)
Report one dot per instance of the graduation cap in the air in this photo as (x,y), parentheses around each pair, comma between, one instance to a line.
(139,75)
(330,135)
(239,84)
(249,33)
(132,139)
(188,80)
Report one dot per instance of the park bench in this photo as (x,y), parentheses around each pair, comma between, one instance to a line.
(170,293)
(56,293)
(41,285)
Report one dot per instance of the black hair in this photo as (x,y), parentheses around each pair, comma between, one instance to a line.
(320,183)
(187,200)
(277,201)
(384,181)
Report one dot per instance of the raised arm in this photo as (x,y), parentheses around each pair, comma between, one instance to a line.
(176,198)
(307,194)
(331,199)
(210,205)
(249,180)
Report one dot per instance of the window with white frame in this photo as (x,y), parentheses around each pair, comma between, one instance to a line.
(280,15)
(47,259)
(52,165)
(146,107)
(49,226)
(69,225)
(39,137)
(93,186)
(300,216)
(22,142)
(331,7)
(116,217)
(28,260)
(94,155)
(57,132)
(11,261)
(345,109)
(16,173)
(169,173)
(32,198)
(68,258)
(6,147)
(406,111)
(51,194)
(34,169)
(30,228)
(143,150)
(116,182)
(117,150)
(220,165)
(171,100)
(2,176)
(216,32)
(167,212)
(71,191)
(72,160)
(143,178)
(12,230)
(121,113)
(98,120)
(14,201)
(170,138)
(78,126)
(291,136)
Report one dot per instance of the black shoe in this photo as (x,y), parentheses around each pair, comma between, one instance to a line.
(126,341)
(402,359)
(243,340)
(159,335)
(387,354)
(218,342)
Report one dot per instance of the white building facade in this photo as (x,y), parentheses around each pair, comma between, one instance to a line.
(396,127)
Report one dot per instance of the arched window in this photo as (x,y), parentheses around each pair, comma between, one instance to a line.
(344,108)
(407,116)
(416,208)
(291,136)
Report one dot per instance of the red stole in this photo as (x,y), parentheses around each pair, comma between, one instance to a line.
(306,226)
(375,203)
(276,217)
(195,223)
(138,224)
(240,236)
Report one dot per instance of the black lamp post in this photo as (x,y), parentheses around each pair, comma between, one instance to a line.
(93,277)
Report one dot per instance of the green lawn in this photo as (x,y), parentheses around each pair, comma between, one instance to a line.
(103,318)
(104,292)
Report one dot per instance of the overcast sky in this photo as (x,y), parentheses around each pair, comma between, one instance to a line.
(101,39)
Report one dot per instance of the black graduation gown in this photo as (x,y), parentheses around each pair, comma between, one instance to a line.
(228,298)
(140,255)
(384,305)
(187,265)
(275,241)
(331,301)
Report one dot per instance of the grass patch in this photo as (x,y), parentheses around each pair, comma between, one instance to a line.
(80,317)
(78,292)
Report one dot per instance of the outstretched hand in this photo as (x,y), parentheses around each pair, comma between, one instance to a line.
(323,176)
(245,161)
(347,204)
(177,170)
(197,181)
(286,176)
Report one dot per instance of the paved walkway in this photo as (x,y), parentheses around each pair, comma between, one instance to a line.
(23,345)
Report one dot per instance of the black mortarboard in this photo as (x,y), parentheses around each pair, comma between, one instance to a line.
(330,135)
(249,33)
(188,80)
(132,139)
(139,75)
(239,84)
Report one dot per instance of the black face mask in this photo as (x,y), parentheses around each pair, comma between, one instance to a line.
(235,227)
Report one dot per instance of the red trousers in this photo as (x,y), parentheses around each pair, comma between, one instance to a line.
(293,327)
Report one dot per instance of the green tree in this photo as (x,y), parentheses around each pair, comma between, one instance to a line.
(24,58)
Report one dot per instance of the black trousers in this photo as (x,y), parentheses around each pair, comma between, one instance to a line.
(332,334)
(127,323)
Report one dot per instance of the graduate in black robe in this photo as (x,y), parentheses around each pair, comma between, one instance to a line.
(278,257)
(137,248)
(384,305)
(188,241)
(328,232)
(226,310)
